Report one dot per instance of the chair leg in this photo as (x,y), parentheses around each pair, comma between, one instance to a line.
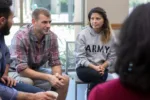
(76,91)
(88,85)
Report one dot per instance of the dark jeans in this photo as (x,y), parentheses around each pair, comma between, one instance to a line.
(8,93)
(91,76)
(27,88)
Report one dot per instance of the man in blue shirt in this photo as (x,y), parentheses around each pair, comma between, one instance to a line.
(8,86)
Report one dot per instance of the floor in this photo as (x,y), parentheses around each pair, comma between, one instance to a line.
(81,87)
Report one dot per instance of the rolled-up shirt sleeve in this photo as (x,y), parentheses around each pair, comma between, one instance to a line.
(7,93)
(18,55)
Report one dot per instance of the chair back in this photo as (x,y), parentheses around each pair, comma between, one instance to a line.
(70,56)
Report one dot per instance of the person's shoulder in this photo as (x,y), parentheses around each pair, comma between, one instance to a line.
(108,86)
(113,39)
(104,90)
(84,32)
(114,36)
(52,35)
(25,28)
(23,31)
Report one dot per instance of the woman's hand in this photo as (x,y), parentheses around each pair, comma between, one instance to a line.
(102,69)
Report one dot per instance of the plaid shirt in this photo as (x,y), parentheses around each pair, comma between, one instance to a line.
(26,51)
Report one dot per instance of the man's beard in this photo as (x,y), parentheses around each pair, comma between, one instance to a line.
(5,30)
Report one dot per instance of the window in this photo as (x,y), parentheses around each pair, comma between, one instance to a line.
(134,3)
(67,19)
(62,11)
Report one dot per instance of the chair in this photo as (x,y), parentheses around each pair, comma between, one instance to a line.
(70,56)
(70,63)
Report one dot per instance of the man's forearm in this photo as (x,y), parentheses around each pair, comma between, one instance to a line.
(36,96)
(34,74)
(25,96)
(56,69)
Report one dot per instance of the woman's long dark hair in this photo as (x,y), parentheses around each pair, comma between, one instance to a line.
(133,62)
(106,27)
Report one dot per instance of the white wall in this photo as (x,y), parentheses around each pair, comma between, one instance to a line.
(116,10)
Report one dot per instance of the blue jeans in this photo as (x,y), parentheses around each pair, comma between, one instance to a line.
(45,85)
(8,93)
(27,88)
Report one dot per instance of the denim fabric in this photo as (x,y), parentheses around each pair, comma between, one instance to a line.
(7,93)
(27,88)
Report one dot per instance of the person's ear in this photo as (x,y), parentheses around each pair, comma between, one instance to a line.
(33,21)
(2,20)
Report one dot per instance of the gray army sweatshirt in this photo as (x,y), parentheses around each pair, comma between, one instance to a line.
(90,49)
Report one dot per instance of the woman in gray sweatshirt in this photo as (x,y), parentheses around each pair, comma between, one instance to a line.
(95,51)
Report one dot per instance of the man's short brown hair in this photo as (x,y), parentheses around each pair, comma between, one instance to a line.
(39,11)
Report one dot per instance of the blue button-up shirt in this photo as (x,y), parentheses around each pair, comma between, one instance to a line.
(6,93)
(2,55)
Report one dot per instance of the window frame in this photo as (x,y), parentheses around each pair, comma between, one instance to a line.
(21,22)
